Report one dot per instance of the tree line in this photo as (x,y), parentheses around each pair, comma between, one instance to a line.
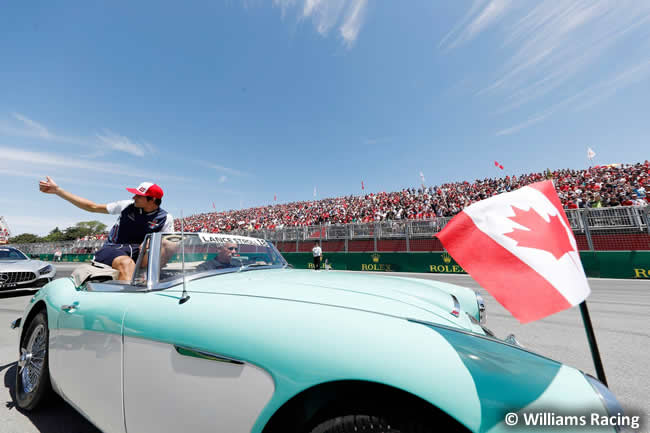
(79,230)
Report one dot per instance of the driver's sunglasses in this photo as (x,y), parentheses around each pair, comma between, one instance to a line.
(232,248)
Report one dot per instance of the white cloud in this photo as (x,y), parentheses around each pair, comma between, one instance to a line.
(463,22)
(348,15)
(588,97)
(556,45)
(353,21)
(223,169)
(33,126)
(626,78)
(107,140)
(50,160)
(124,144)
(24,172)
(490,14)
(558,40)
(222,179)
(23,126)
(532,121)
(475,21)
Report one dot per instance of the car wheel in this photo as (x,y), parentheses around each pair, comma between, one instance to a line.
(33,375)
(366,423)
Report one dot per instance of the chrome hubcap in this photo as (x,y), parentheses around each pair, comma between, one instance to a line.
(32,358)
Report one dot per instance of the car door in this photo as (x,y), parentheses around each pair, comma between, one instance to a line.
(87,352)
(180,373)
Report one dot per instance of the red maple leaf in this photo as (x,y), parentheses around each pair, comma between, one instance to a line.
(549,236)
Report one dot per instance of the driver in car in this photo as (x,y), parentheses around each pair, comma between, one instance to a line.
(137,217)
(223,259)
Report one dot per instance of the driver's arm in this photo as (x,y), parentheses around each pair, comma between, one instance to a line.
(81,202)
(48,186)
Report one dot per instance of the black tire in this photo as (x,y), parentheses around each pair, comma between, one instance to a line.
(32,373)
(368,423)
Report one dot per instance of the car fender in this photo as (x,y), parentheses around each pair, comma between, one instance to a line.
(302,345)
(51,297)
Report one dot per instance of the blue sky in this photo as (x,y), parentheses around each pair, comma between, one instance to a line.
(233,102)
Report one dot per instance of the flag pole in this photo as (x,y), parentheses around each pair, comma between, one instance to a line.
(593,345)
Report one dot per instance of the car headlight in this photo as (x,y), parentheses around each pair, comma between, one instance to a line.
(482,312)
(613,407)
(45,270)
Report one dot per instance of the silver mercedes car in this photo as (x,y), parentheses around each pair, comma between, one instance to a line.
(18,271)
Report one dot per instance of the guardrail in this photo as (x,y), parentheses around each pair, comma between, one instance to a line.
(617,228)
(586,222)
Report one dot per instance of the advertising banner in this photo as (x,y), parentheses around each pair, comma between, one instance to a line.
(597,264)
(380,262)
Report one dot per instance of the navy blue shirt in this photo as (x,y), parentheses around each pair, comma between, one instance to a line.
(134,223)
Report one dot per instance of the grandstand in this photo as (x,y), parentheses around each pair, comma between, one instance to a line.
(607,207)
(5,233)
(623,228)
(616,185)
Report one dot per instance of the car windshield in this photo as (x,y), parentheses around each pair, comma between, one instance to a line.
(207,253)
(11,254)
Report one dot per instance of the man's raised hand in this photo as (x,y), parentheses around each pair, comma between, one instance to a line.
(48,186)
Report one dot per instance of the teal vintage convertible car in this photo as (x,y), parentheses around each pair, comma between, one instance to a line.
(218,333)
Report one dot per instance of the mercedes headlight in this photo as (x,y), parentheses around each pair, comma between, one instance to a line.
(482,312)
(45,270)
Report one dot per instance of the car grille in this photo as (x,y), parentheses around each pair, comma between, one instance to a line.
(16,277)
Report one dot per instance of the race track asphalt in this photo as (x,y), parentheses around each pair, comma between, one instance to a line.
(620,310)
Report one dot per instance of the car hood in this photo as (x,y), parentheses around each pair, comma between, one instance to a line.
(406,298)
(20,265)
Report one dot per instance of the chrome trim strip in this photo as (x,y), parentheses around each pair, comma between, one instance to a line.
(489,336)
(607,403)
(122,369)
(482,314)
(114,286)
(187,351)
(456,311)
(208,273)
(16,323)
(472,319)
(512,339)
(154,261)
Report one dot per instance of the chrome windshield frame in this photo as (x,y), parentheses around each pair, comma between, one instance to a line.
(154,260)
(153,264)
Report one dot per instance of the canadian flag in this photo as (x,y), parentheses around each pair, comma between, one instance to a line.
(519,247)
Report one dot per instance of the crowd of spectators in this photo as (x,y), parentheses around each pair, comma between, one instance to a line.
(595,187)
(4,235)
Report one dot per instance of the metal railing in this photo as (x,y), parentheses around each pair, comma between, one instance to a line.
(600,222)
(66,247)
